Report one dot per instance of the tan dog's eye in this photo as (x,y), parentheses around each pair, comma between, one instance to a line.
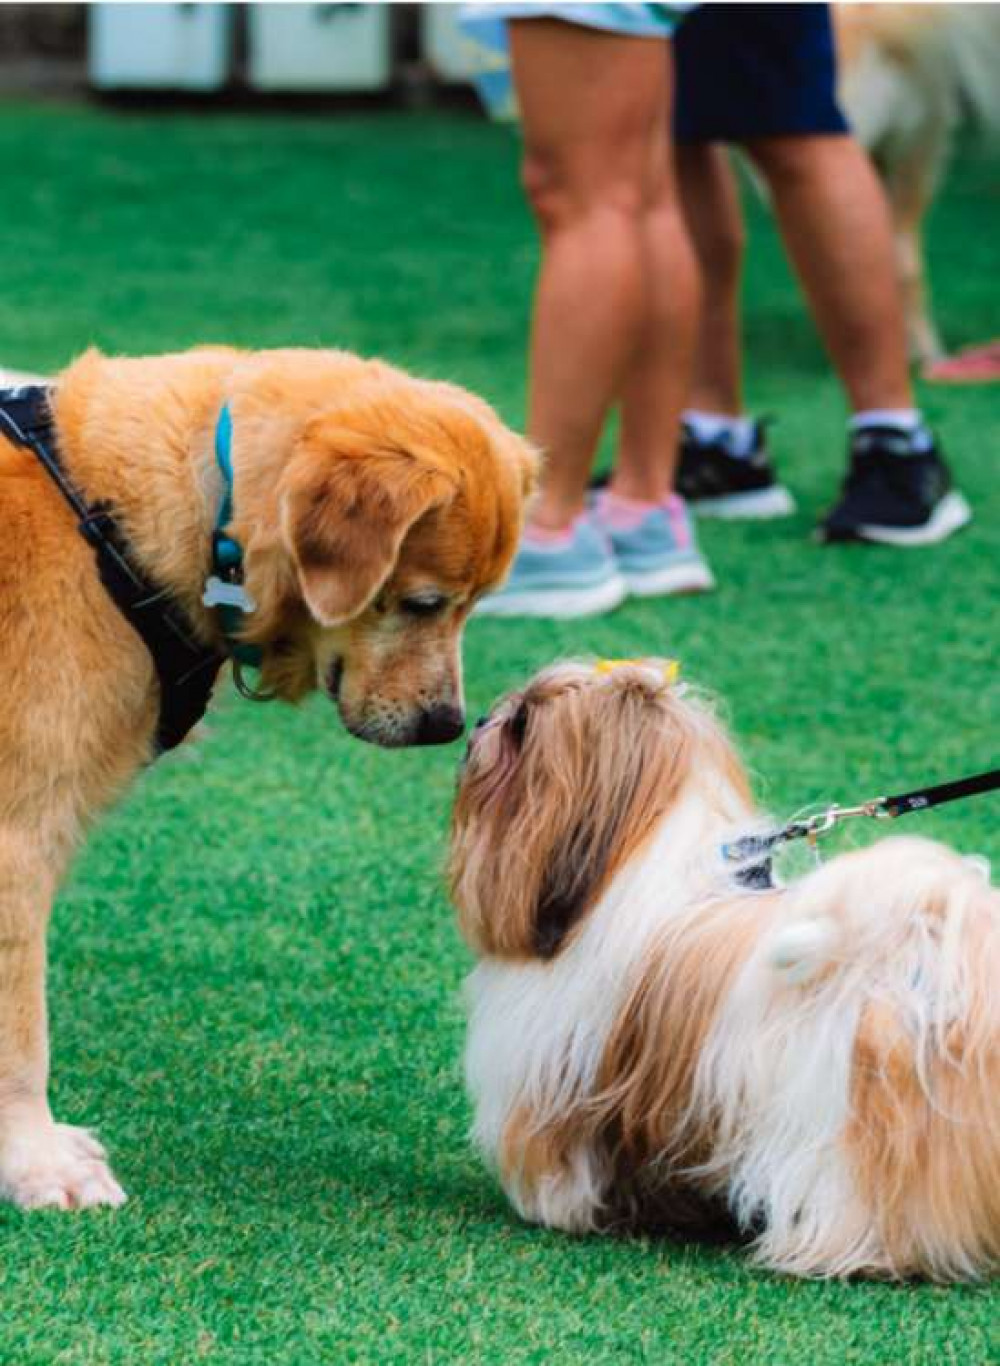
(423,605)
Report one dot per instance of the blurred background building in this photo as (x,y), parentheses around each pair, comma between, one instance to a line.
(233,50)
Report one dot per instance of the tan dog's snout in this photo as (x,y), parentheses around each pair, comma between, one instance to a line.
(391,726)
(440,725)
(384,702)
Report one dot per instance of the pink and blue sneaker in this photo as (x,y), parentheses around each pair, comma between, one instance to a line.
(654,545)
(559,574)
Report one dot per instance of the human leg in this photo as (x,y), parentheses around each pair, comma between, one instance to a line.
(833,218)
(648,525)
(658,379)
(710,200)
(724,467)
(590,102)
(595,110)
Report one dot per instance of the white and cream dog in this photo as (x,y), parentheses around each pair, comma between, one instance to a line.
(653,1044)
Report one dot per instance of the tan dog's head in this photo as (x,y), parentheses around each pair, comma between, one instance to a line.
(563,783)
(396,509)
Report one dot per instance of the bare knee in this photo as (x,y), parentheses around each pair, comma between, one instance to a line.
(560,195)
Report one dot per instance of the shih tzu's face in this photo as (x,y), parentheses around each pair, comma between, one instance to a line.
(563,783)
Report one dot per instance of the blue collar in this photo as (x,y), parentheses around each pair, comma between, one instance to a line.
(224,588)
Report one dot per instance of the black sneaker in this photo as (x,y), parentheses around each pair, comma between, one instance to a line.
(895,493)
(719,484)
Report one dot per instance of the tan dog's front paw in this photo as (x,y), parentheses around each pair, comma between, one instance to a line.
(56,1165)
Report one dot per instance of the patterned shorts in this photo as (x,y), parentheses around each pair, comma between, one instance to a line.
(485,28)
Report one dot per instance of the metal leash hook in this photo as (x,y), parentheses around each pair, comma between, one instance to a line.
(813,826)
(246,689)
(876,809)
(823,822)
(753,854)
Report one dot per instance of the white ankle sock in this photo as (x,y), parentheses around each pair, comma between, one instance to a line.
(902,419)
(909,420)
(735,433)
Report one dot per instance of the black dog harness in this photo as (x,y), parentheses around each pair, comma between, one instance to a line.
(185,667)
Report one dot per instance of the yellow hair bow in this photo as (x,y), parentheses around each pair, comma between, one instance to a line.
(671,667)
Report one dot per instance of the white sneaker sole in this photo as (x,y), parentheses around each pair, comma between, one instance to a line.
(15,378)
(560,603)
(950,515)
(676,579)
(758,506)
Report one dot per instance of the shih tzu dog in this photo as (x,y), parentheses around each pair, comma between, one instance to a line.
(655,1043)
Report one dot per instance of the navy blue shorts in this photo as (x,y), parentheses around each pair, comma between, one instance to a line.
(755,71)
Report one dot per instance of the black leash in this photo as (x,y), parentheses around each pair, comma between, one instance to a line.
(752,855)
(925,797)
(185,667)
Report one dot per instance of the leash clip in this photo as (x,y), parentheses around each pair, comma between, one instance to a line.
(876,809)
(754,851)
(821,824)
(825,821)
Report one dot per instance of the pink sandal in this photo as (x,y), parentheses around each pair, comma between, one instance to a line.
(972,365)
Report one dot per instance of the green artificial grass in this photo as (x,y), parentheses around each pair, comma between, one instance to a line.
(255,975)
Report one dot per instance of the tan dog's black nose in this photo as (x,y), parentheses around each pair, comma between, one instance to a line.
(440,725)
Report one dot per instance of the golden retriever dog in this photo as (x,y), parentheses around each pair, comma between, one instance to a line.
(656,1039)
(908,75)
(373,509)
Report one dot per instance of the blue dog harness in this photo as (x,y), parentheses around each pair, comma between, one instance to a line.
(186,667)
(224,588)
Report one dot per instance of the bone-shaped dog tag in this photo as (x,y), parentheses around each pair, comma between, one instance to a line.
(219,593)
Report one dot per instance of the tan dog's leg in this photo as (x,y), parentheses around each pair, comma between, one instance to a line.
(910,176)
(922,337)
(41,1162)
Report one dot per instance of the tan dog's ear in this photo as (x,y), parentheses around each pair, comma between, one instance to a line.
(346,509)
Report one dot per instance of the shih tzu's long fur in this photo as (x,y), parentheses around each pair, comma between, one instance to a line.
(652,1044)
